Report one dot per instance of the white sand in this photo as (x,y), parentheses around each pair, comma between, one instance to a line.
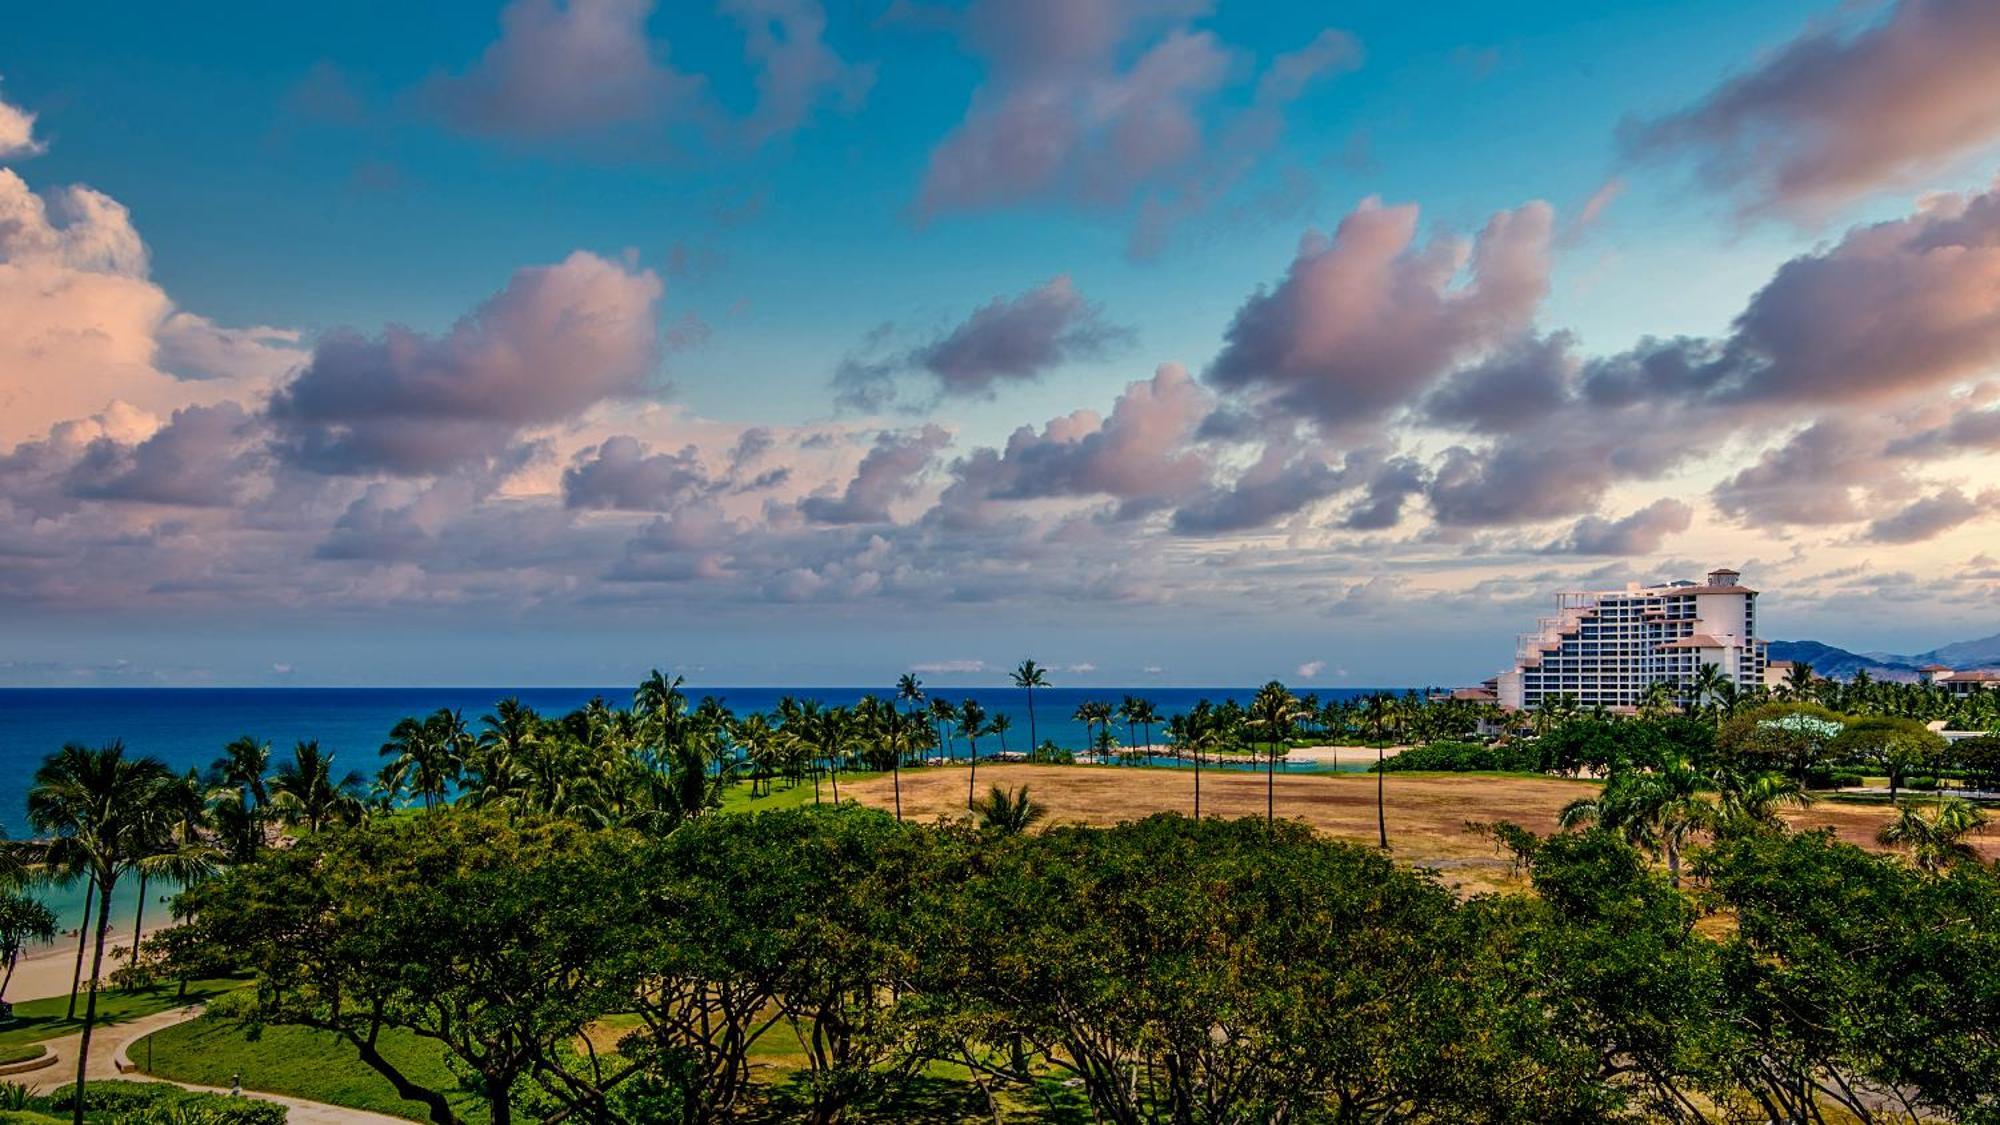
(1341,755)
(49,971)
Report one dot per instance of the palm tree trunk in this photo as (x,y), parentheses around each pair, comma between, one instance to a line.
(833,774)
(972,776)
(1381,814)
(139,918)
(1034,742)
(1197,783)
(90,1005)
(1271,788)
(82,940)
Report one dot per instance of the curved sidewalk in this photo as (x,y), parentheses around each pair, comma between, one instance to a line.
(109,1061)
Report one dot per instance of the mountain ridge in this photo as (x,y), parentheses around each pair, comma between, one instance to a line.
(1840,663)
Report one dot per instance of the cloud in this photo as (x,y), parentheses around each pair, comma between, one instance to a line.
(888,473)
(622,474)
(1840,112)
(586,72)
(1138,455)
(1060,115)
(203,457)
(17,133)
(1018,339)
(1816,477)
(1007,340)
(795,69)
(1640,533)
(559,69)
(1364,320)
(556,340)
(1282,481)
(1311,669)
(1931,516)
(948,667)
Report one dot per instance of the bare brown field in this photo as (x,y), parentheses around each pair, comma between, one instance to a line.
(1430,815)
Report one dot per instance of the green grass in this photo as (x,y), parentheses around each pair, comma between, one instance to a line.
(21,1052)
(737,798)
(36,1020)
(302,1063)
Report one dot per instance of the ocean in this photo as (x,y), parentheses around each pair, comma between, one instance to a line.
(189,726)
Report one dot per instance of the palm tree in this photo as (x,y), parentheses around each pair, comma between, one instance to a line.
(1142,712)
(1657,700)
(175,847)
(1028,677)
(100,810)
(1273,709)
(971,723)
(1936,840)
(428,754)
(944,716)
(998,728)
(1798,681)
(910,690)
(1706,687)
(502,752)
(1008,814)
(1754,799)
(22,920)
(306,792)
(1659,810)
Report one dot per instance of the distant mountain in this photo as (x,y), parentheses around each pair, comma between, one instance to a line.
(1839,663)
(1965,654)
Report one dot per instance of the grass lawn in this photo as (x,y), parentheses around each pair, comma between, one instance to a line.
(737,798)
(21,1052)
(36,1020)
(301,1062)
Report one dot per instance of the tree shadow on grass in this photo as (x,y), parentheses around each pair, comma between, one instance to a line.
(928,1100)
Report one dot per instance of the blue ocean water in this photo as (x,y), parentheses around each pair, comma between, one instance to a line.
(189,726)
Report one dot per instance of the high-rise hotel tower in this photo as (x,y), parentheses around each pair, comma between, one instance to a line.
(1608,647)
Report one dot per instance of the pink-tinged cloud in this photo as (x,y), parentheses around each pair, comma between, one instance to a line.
(558,69)
(1139,455)
(1892,308)
(17,133)
(1641,533)
(558,340)
(1838,113)
(1059,114)
(890,472)
(1018,338)
(1931,516)
(1366,319)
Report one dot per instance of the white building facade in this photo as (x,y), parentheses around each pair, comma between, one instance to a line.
(1608,647)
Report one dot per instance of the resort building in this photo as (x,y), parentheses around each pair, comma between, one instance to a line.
(1777,673)
(1960,682)
(1608,647)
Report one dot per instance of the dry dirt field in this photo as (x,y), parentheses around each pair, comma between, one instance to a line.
(1429,814)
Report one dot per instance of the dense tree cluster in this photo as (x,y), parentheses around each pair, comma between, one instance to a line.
(1171,970)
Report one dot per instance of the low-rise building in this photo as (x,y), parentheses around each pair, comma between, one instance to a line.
(1960,681)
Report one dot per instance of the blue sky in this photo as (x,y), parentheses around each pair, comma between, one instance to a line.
(330,173)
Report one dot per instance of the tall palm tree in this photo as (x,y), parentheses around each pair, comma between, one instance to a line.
(1145,714)
(1798,681)
(428,754)
(1274,710)
(998,728)
(1754,799)
(176,850)
(100,811)
(502,753)
(1706,687)
(945,717)
(307,793)
(971,724)
(1028,677)
(1936,839)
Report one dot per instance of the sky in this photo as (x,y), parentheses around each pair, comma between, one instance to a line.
(814,341)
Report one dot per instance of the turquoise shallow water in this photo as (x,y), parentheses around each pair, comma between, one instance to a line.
(188,727)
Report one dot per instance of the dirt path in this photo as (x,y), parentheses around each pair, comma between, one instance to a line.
(108,1060)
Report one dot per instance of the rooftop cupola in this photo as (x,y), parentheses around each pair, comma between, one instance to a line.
(1723,576)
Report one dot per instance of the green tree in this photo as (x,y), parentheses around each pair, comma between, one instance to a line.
(1898,746)
(1660,810)
(1007,812)
(23,921)
(1273,711)
(1936,835)
(1028,677)
(497,939)
(99,810)
(307,793)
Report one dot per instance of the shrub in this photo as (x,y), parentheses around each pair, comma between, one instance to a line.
(1465,757)
(1920,783)
(144,1102)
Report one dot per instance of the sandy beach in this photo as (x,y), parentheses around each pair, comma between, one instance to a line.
(1342,755)
(49,970)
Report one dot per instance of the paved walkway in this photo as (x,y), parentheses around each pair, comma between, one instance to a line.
(108,1051)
